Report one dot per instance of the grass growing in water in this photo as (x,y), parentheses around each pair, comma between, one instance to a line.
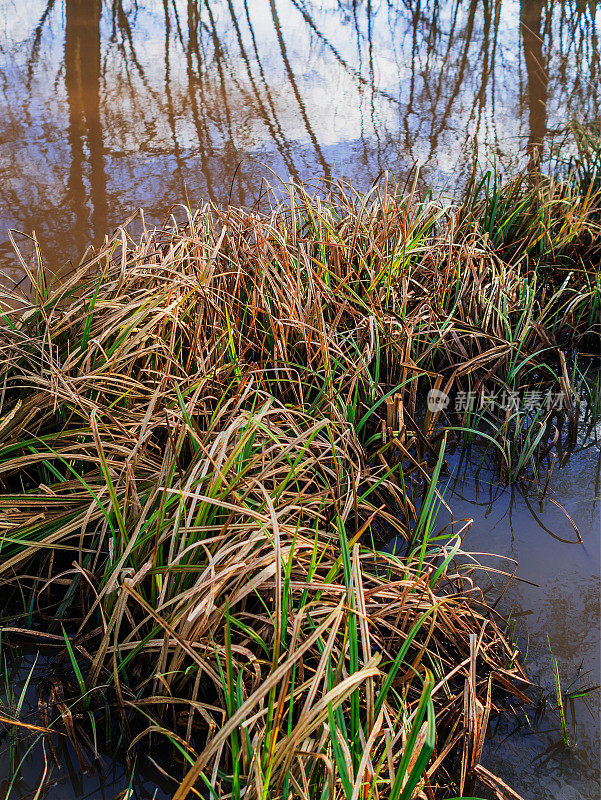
(206,433)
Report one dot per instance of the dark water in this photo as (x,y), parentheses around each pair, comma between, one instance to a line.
(105,107)
(555,603)
(98,776)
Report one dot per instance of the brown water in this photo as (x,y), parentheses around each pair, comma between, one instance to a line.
(105,107)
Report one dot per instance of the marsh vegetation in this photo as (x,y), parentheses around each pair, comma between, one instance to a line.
(220,475)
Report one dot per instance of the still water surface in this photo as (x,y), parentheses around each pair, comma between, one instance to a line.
(105,107)
(557,595)
(108,106)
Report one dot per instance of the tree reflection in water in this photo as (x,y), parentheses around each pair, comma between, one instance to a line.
(108,106)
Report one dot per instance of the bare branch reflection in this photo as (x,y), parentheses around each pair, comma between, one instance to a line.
(161,101)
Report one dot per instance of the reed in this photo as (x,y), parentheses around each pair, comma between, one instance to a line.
(208,431)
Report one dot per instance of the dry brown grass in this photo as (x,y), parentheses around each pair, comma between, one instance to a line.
(204,432)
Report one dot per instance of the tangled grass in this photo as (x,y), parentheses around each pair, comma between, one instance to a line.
(207,433)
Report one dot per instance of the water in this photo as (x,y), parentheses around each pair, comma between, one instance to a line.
(108,106)
(105,107)
(557,595)
(67,769)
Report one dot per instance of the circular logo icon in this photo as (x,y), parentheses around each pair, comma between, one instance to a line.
(437,400)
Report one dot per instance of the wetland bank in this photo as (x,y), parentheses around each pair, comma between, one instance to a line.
(235,523)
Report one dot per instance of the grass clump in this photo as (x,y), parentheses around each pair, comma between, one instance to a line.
(207,432)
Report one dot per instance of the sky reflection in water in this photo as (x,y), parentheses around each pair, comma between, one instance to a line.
(106,107)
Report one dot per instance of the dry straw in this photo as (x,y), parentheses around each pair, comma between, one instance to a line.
(207,433)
